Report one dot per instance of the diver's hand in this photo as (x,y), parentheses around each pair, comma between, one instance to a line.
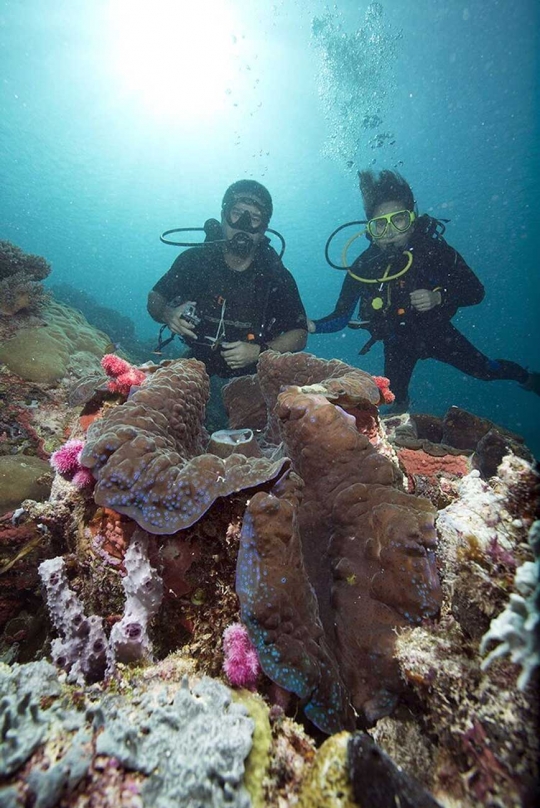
(425,300)
(311,327)
(239,354)
(173,318)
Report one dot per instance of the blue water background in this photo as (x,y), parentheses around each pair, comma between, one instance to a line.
(90,174)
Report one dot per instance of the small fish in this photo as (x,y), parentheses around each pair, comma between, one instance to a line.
(83,390)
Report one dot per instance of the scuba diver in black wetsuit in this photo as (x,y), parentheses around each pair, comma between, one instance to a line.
(411,283)
(231,298)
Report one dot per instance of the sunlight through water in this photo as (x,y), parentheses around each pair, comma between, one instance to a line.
(178,59)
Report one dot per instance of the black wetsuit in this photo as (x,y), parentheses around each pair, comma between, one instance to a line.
(409,335)
(256,305)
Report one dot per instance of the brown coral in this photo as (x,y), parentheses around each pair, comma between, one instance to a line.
(368,551)
(250,401)
(148,454)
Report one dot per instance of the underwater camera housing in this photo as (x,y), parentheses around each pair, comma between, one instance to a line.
(190,315)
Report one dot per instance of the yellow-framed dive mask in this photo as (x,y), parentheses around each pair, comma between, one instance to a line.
(401,221)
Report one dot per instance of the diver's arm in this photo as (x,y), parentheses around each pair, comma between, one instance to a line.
(239,355)
(344,309)
(294,340)
(459,285)
(156,307)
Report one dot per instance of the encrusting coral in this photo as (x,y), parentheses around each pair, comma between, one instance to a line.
(171,743)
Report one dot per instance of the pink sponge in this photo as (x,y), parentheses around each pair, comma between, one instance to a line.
(241,663)
(123,375)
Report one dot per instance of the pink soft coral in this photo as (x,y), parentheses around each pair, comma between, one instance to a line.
(67,459)
(123,375)
(67,462)
(384,387)
(241,663)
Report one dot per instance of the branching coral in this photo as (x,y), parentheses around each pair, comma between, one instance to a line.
(517,629)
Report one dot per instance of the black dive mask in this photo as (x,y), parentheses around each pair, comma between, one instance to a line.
(246,221)
(240,244)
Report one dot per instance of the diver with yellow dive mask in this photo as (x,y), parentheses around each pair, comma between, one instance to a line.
(410,283)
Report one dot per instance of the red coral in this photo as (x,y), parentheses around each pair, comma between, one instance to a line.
(124,376)
(114,365)
(417,462)
(384,386)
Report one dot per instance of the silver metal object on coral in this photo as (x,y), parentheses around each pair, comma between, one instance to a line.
(226,442)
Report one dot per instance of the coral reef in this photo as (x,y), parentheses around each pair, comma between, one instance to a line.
(147,455)
(315,543)
(20,276)
(46,349)
(121,329)
(471,733)
(458,433)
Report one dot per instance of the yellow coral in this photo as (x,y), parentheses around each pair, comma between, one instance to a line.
(327,785)
(42,353)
